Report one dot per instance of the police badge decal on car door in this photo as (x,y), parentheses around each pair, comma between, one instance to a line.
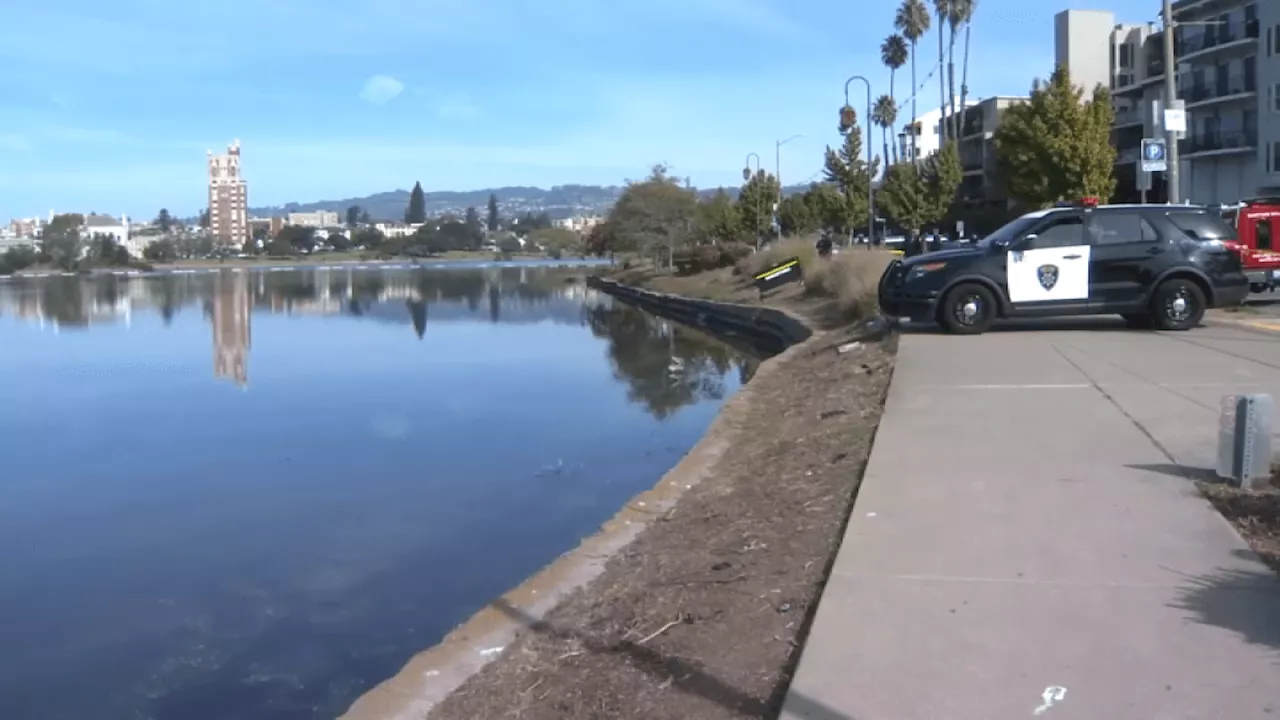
(1048,274)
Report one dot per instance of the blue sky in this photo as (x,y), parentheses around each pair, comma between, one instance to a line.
(110,106)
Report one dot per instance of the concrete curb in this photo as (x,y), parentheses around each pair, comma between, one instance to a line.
(766,330)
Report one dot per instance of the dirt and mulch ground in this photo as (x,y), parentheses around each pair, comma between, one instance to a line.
(1254,513)
(703,615)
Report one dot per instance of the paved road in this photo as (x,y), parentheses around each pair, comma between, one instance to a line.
(1026,529)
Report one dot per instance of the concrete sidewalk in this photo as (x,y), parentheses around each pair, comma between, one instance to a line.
(1025,530)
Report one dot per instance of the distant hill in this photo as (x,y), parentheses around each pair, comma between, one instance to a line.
(559,201)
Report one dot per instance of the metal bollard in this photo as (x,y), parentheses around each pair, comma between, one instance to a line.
(1244,439)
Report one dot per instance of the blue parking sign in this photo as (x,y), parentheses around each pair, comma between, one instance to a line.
(1154,155)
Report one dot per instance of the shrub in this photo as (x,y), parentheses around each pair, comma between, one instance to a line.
(702,258)
(850,278)
(776,252)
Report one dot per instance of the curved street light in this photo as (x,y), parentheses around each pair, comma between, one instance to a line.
(848,118)
(746,177)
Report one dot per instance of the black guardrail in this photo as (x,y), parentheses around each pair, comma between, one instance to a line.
(756,330)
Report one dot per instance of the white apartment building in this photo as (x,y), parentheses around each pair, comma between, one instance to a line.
(929,139)
(316,219)
(1226,74)
(577,223)
(121,231)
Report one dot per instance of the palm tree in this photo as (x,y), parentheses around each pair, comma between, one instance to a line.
(942,8)
(885,114)
(964,13)
(912,20)
(893,53)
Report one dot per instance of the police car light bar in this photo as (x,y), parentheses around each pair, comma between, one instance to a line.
(1089,202)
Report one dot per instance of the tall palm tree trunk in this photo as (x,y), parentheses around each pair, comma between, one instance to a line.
(914,155)
(964,72)
(951,85)
(944,121)
(892,94)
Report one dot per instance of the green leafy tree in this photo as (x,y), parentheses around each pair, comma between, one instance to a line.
(338,242)
(160,251)
(368,237)
(655,216)
(915,195)
(602,240)
(353,216)
(20,257)
(557,241)
(510,244)
(493,219)
(1055,147)
(847,169)
(755,204)
(164,221)
(417,210)
(61,242)
(475,228)
(293,239)
(204,219)
(794,215)
(719,219)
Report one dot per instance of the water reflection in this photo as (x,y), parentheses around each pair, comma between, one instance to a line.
(665,366)
(412,444)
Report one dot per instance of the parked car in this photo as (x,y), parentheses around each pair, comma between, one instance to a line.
(1158,266)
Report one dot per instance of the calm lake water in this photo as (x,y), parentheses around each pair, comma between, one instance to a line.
(253,494)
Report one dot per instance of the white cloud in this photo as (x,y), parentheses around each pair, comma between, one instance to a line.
(381,89)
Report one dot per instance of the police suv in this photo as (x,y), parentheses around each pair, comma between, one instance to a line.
(1156,265)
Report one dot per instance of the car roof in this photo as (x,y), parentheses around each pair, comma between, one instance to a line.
(1145,207)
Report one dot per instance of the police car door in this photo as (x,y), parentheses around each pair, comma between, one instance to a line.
(1050,267)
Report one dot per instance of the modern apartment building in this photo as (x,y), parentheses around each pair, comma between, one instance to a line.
(981,188)
(1223,67)
(316,219)
(228,199)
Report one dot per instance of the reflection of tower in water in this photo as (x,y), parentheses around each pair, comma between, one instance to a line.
(231,309)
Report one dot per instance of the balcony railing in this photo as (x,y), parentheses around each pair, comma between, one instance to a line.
(1215,35)
(1229,140)
(1128,116)
(1235,85)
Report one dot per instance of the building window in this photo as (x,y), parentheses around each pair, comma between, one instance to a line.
(1275,97)
(1275,157)
(1126,55)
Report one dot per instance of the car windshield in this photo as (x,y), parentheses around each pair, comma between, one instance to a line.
(1203,226)
(1010,231)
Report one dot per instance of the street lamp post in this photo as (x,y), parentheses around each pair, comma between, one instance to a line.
(777,172)
(847,119)
(746,177)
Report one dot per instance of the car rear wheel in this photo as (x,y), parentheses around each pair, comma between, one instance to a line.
(1178,304)
(969,309)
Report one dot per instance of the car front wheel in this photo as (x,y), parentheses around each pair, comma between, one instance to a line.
(1178,304)
(969,309)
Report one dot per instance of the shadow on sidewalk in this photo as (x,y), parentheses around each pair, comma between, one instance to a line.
(1087,323)
(1195,474)
(1246,602)
(682,675)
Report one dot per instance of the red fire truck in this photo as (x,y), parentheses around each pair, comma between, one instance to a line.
(1257,224)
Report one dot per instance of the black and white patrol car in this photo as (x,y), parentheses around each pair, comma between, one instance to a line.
(1157,265)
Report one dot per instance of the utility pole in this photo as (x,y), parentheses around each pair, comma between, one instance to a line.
(1170,101)
(777,172)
